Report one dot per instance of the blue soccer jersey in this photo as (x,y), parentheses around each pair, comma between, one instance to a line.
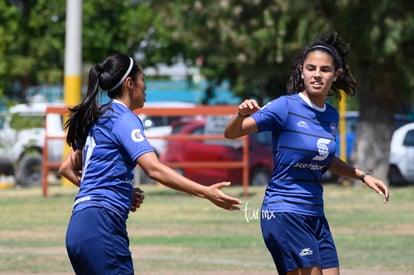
(303,144)
(109,157)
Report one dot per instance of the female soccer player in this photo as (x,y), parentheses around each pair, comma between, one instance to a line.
(108,141)
(303,128)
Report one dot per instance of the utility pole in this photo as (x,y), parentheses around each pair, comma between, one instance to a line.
(73,60)
(342,126)
(73,52)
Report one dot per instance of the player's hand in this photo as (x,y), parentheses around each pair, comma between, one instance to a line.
(248,107)
(137,199)
(378,186)
(219,198)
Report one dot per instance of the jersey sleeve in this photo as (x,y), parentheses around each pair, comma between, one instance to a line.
(272,116)
(129,133)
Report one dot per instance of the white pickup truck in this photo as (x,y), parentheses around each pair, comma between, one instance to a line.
(22,140)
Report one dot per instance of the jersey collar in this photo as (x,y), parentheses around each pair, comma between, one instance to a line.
(119,102)
(314,106)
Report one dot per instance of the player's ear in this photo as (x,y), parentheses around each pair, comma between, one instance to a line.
(129,83)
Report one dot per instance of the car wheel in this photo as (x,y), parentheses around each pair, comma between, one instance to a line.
(259,176)
(29,170)
(395,177)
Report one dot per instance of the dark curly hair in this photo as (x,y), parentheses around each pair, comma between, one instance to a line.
(333,45)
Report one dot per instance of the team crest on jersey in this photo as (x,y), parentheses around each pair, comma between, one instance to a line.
(333,129)
(137,136)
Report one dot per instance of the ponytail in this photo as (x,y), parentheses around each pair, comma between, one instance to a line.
(84,115)
(109,76)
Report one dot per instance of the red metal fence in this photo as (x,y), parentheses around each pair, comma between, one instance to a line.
(169,111)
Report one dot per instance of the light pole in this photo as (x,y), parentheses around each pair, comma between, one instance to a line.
(73,59)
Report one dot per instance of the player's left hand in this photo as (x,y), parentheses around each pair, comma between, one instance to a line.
(378,186)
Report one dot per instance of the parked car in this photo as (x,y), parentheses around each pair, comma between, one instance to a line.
(156,127)
(157,121)
(22,139)
(156,139)
(351,121)
(260,157)
(401,170)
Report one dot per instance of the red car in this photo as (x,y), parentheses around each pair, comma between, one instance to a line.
(195,150)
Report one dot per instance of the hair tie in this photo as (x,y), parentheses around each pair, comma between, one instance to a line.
(124,76)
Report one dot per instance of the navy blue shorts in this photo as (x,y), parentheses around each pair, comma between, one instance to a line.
(298,241)
(97,243)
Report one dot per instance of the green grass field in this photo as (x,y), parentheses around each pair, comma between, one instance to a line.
(174,233)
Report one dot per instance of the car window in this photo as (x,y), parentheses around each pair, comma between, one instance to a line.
(20,121)
(409,139)
(177,128)
(156,121)
(198,131)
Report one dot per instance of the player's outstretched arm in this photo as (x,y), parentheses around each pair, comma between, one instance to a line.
(342,168)
(167,176)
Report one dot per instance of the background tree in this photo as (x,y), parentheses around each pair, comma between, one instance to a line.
(248,42)
(33,38)
(252,42)
(32,44)
(381,35)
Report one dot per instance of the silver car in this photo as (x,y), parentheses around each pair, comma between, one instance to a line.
(401,169)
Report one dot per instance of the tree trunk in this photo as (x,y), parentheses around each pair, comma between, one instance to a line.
(372,143)
(379,100)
